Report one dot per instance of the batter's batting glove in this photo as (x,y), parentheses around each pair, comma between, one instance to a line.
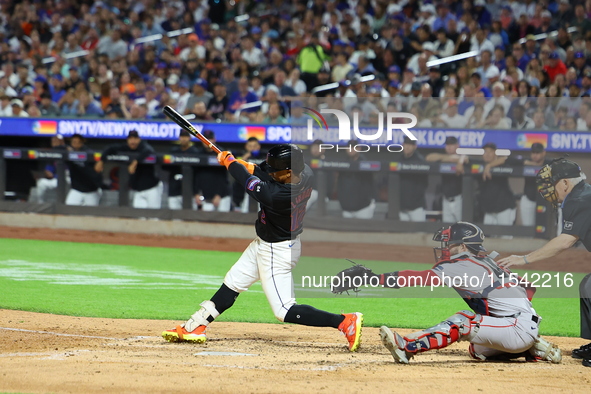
(249,166)
(226,158)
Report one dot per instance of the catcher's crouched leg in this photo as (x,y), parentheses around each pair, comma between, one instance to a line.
(463,326)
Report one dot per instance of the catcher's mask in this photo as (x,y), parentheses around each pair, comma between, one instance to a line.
(549,176)
(457,234)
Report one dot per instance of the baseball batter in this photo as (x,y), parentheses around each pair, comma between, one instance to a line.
(282,186)
(502,323)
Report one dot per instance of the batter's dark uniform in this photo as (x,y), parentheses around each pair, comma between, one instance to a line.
(576,221)
(270,258)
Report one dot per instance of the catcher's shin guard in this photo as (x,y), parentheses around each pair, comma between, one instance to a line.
(202,317)
(462,326)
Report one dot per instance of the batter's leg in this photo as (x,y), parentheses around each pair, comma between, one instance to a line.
(275,262)
(238,279)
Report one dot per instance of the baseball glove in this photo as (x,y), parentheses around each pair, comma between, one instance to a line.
(352,278)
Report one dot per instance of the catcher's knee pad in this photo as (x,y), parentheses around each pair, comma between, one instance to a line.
(456,328)
(203,316)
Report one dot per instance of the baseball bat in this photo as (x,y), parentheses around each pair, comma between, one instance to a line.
(186,125)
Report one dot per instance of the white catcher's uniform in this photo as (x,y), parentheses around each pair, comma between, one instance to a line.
(509,323)
(504,320)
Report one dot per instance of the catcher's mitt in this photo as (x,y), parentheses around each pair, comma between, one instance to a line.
(352,278)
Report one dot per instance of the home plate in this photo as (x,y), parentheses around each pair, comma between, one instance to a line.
(223,354)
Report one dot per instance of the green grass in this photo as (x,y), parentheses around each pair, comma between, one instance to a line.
(117,281)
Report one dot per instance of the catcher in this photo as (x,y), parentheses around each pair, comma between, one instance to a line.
(502,323)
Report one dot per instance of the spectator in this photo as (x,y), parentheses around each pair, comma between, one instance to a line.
(48,108)
(310,60)
(112,45)
(476,80)
(496,118)
(194,50)
(18,108)
(519,120)
(555,66)
(539,121)
(495,198)
(444,47)
(498,100)
(480,43)
(218,105)
(279,80)
(451,118)
(5,105)
(242,96)
(274,115)
(183,99)
(296,83)
(200,94)
(69,104)
(200,112)
(87,106)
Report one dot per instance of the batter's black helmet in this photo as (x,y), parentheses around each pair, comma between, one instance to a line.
(285,157)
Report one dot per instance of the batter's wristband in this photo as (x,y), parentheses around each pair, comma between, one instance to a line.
(525,259)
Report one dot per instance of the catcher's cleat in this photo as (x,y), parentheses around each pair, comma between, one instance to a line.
(583,352)
(351,327)
(395,344)
(179,334)
(546,351)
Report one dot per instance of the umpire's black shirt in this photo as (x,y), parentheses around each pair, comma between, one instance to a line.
(144,177)
(576,213)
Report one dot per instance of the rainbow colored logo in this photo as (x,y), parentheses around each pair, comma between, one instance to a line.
(167,159)
(97,156)
(477,168)
(394,166)
(314,163)
(526,140)
(246,132)
(540,229)
(32,154)
(45,127)
(316,116)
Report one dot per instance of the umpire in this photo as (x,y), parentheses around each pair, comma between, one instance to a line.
(562,182)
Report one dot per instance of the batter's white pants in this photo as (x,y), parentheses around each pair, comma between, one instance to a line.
(452,210)
(499,335)
(90,199)
(503,218)
(43,185)
(176,203)
(272,264)
(363,213)
(527,211)
(416,215)
(224,206)
(150,198)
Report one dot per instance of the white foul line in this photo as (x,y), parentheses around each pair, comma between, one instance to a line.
(68,335)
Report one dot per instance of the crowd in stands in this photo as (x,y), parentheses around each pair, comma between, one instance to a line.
(125,59)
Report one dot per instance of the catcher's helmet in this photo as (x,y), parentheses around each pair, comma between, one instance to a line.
(459,233)
(285,157)
(550,174)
